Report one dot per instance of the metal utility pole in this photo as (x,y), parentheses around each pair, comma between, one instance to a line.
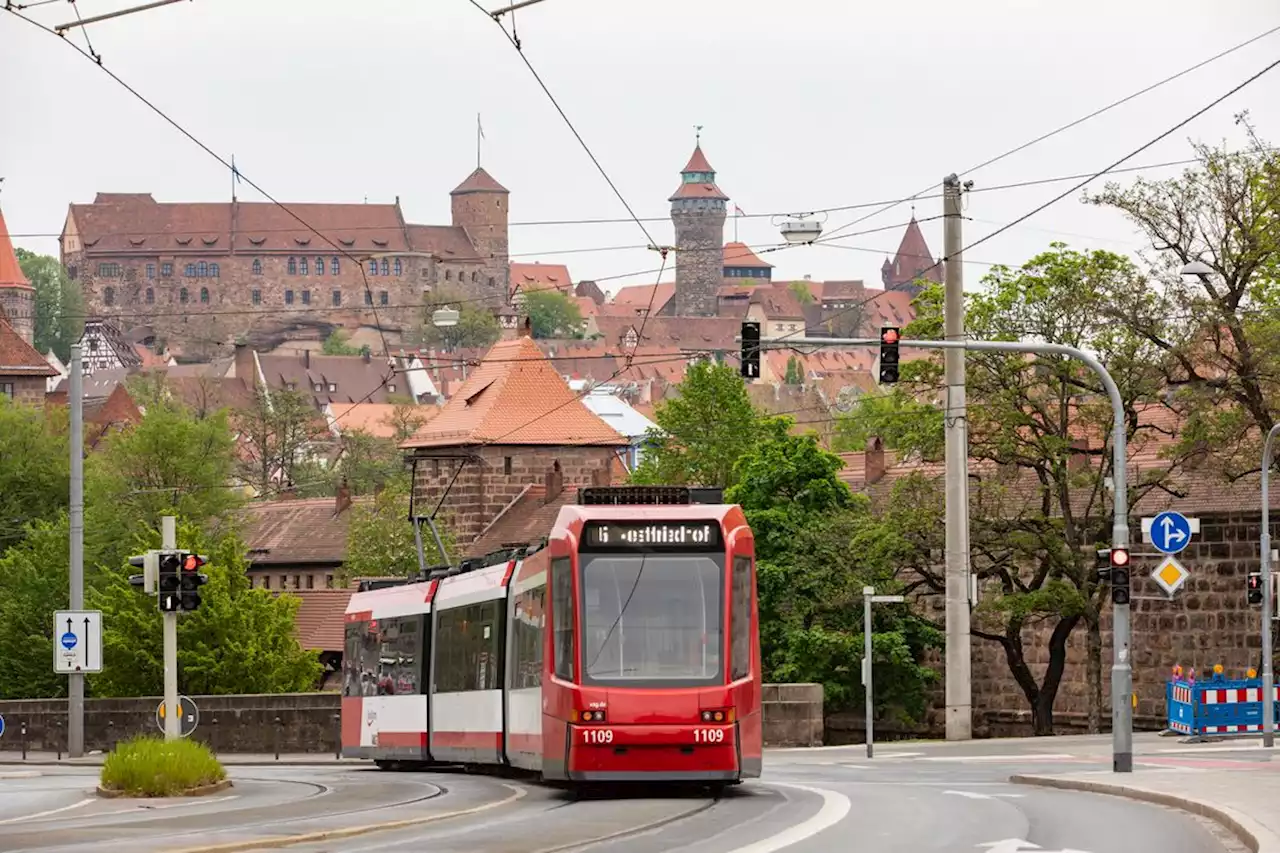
(1121,667)
(1268,675)
(868,598)
(75,685)
(959,688)
(172,713)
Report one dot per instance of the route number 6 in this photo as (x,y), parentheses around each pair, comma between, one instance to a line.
(597,735)
(708,735)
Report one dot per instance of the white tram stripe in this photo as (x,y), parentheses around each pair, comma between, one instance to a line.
(834,808)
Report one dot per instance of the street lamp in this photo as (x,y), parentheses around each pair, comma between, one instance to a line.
(799,228)
(1197,268)
(447,318)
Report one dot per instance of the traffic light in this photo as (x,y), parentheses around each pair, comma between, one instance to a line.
(150,565)
(192,580)
(751,350)
(1103,564)
(889,337)
(1119,575)
(1255,587)
(170,582)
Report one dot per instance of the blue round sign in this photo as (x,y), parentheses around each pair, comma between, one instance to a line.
(1170,532)
(68,641)
(1,724)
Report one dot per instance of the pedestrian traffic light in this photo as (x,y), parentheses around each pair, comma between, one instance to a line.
(170,582)
(192,580)
(1103,564)
(1119,575)
(751,350)
(1255,587)
(889,337)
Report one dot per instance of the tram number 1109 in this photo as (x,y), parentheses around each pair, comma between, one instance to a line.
(708,735)
(597,735)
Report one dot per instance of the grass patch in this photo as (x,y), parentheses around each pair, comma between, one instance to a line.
(149,766)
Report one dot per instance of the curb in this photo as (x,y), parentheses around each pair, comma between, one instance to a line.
(1255,838)
(49,762)
(351,831)
(202,791)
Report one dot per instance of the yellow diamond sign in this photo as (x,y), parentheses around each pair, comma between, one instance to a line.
(1170,574)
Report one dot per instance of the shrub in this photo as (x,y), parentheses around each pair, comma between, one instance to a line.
(149,766)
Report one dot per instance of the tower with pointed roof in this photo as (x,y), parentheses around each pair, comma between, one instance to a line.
(17,296)
(480,207)
(912,264)
(698,214)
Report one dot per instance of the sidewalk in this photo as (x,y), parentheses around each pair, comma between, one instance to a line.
(1240,796)
(11,758)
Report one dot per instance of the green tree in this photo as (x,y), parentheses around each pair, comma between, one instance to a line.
(802,291)
(336,344)
(795,372)
(380,540)
(368,462)
(701,433)
(477,326)
(552,314)
(33,584)
(35,463)
(241,640)
(59,303)
(278,427)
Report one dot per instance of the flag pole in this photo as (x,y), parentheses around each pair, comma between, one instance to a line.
(479,136)
(233,178)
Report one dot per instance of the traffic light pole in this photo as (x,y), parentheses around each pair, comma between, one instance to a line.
(172,722)
(1268,674)
(1121,667)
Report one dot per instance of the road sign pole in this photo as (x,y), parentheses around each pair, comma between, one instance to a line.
(867,592)
(172,716)
(1121,666)
(1268,674)
(75,681)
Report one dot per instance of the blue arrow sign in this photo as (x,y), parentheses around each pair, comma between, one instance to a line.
(69,641)
(1170,532)
(1,725)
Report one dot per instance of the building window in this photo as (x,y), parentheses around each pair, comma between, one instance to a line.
(337,297)
(182,296)
(391,388)
(306,297)
(311,579)
(213,271)
(166,270)
(491,281)
(328,581)
(506,465)
(382,297)
(386,267)
(373,267)
(6,390)
(317,387)
(293,266)
(288,297)
(108,270)
(257,297)
(475,275)
(257,267)
(368,297)
(189,270)
(333,389)
(302,266)
(151,296)
(319,266)
(202,270)
(448,275)
(151,270)
(109,296)
(399,268)
(204,296)
(73,271)
(333,267)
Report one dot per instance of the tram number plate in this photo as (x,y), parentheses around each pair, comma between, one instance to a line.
(708,735)
(597,735)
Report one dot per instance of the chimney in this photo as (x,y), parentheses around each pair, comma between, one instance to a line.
(343,501)
(526,328)
(874,460)
(554,482)
(306,358)
(1079,454)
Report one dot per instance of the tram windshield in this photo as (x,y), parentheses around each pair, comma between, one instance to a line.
(652,620)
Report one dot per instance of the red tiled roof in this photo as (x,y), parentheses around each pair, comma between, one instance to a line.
(11,274)
(320,624)
(134,223)
(374,418)
(741,255)
(535,276)
(697,161)
(479,181)
(19,358)
(692,334)
(587,306)
(352,376)
(698,191)
(912,258)
(515,396)
(638,296)
(296,531)
(527,518)
(446,242)
(777,302)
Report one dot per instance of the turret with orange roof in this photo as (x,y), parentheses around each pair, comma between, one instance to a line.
(17,296)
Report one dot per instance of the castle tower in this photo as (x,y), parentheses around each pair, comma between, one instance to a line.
(17,296)
(480,207)
(913,263)
(698,214)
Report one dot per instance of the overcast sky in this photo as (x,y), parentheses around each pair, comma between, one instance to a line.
(807,105)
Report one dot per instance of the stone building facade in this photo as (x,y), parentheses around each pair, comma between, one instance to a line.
(698,214)
(204,275)
(17,296)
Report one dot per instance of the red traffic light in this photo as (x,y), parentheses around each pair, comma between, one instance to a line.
(889,336)
(1119,556)
(192,562)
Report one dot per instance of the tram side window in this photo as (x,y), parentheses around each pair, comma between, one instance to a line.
(468,648)
(529,622)
(383,657)
(740,619)
(562,616)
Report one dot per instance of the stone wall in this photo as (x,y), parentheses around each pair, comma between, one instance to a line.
(699,257)
(26,389)
(304,722)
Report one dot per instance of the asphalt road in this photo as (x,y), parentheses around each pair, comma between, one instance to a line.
(906,800)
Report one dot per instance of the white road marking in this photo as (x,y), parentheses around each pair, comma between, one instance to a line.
(1213,748)
(834,808)
(21,774)
(970,794)
(1038,756)
(45,813)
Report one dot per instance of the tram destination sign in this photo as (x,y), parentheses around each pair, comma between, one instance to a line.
(647,535)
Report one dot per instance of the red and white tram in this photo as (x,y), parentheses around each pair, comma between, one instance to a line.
(624,649)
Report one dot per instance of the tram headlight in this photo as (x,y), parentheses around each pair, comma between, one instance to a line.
(718,715)
(589,716)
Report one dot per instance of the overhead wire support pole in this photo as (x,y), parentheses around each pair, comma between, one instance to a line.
(75,685)
(959,663)
(1268,672)
(62,28)
(1121,666)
